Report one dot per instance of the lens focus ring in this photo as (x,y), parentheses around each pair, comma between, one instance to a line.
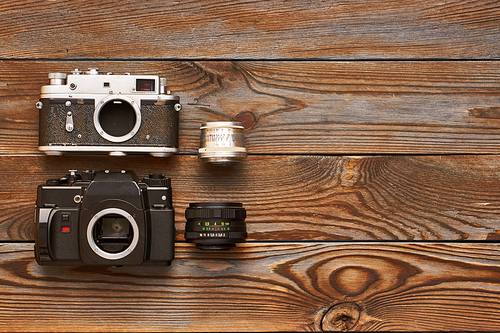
(210,213)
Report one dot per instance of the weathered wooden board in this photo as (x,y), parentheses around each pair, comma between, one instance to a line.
(262,287)
(307,198)
(322,88)
(357,29)
(299,107)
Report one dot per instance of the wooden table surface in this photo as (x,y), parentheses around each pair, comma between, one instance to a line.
(372,184)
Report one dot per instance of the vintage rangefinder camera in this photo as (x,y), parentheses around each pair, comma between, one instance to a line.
(105,218)
(90,112)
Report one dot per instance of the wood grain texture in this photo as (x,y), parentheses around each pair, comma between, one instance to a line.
(263,287)
(250,29)
(365,120)
(306,198)
(299,107)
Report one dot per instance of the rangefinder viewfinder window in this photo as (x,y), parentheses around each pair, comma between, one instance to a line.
(144,85)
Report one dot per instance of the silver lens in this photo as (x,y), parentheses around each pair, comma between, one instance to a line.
(222,143)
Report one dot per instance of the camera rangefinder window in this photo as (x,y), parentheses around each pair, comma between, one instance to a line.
(144,85)
(117,118)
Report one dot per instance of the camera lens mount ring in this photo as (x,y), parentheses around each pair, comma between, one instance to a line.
(111,99)
(90,234)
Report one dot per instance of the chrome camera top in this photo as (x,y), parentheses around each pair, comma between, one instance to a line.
(94,113)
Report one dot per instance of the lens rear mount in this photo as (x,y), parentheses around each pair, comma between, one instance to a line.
(215,225)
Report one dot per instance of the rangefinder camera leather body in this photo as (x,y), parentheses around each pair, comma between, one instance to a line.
(95,113)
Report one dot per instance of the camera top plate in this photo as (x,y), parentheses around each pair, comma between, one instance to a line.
(93,82)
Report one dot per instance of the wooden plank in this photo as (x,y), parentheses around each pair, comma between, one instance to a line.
(262,287)
(251,29)
(290,198)
(299,107)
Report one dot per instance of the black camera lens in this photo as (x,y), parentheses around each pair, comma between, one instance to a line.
(215,225)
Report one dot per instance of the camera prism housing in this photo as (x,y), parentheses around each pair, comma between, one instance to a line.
(92,113)
(105,218)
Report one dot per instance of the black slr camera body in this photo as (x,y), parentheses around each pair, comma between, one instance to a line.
(105,218)
(92,113)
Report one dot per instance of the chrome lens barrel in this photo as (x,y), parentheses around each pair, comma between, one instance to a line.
(222,143)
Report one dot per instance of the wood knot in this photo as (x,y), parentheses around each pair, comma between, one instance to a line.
(341,317)
(247,119)
(352,280)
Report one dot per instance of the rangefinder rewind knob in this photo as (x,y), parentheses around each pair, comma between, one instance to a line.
(57,78)
(163,86)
